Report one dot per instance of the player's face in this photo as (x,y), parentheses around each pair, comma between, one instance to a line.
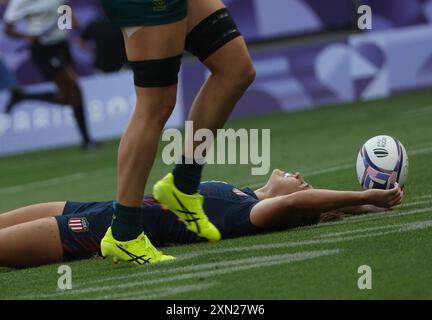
(287,183)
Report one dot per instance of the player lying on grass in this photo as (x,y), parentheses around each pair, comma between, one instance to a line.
(64,231)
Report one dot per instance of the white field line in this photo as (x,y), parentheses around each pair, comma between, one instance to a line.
(329,170)
(83,175)
(343,233)
(190,268)
(414,203)
(263,261)
(418,151)
(388,214)
(419,112)
(157,293)
(424,196)
(370,216)
(42,183)
(312,173)
(398,228)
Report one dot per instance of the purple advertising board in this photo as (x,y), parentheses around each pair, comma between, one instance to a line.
(394,57)
(360,67)
(257,20)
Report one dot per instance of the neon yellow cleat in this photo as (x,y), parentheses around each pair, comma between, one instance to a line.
(138,251)
(189,208)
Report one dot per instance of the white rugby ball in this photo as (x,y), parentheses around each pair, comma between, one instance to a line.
(381,162)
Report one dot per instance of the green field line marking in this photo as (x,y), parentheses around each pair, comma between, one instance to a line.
(43,183)
(420,151)
(197,267)
(84,175)
(342,233)
(387,214)
(424,196)
(402,228)
(371,216)
(419,112)
(414,203)
(311,173)
(264,261)
(398,228)
(336,168)
(157,293)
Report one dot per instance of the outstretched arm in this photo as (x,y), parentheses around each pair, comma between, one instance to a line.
(306,204)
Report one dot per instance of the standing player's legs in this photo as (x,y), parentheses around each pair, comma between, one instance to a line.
(154,51)
(214,38)
(223,50)
(145,46)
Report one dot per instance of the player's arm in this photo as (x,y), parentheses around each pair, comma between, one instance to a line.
(11,31)
(14,13)
(10,20)
(270,212)
(363,209)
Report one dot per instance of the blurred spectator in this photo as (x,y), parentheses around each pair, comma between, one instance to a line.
(109,53)
(8,82)
(7,78)
(50,53)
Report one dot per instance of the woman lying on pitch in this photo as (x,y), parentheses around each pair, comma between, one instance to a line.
(64,231)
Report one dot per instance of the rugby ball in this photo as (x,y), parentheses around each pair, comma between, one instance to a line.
(381,162)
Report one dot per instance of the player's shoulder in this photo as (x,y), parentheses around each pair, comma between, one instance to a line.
(214,186)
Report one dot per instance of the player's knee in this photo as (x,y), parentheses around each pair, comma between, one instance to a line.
(165,109)
(157,110)
(245,74)
(239,77)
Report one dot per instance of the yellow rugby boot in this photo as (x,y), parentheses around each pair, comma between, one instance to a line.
(189,208)
(137,251)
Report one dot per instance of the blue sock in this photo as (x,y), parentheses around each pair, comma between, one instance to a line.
(126,223)
(187,177)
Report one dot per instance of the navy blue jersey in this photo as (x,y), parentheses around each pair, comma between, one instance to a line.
(83,225)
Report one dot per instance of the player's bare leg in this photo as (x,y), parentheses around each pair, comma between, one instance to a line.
(232,72)
(139,143)
(147,46)
(44,246)
(31,213)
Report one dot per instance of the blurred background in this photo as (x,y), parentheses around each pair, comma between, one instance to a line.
(308,54)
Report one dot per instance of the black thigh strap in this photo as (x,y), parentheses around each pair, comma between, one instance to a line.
(156,73)
(211,34)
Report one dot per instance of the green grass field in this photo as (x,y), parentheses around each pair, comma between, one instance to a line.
(319,262)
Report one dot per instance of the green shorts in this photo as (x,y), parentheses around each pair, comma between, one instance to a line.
(131,13)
